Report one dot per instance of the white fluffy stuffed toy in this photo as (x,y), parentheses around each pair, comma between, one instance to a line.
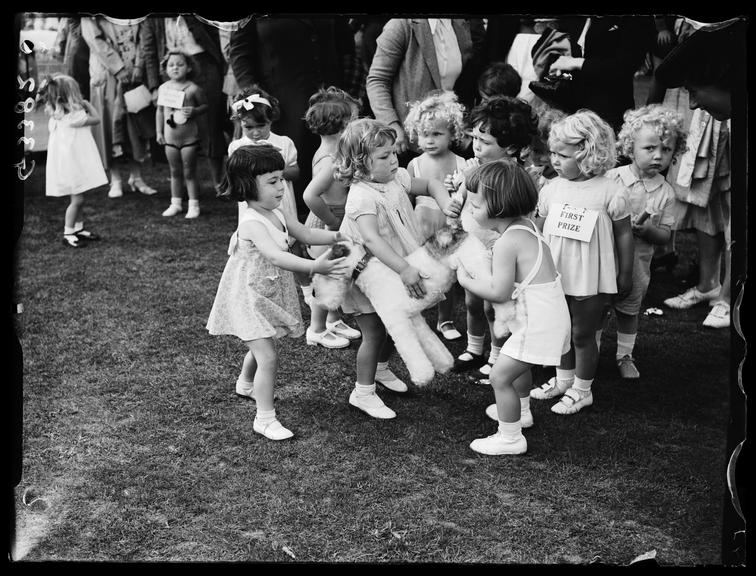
(437,260)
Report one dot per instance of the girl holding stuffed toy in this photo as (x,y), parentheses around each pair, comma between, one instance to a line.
(502,196)
(436,124)
(585,218)
(379,215)
(256,299)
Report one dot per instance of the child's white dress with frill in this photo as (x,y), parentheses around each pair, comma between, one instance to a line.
(73,162)
(256,299)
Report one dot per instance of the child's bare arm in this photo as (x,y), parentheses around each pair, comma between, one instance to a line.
(437,190)
(92,116)
(496,285)
(623,242)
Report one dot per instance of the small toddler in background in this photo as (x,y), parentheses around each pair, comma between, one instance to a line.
(499,79)
(177,129)
(538,163)
(436,124)
(73,163)
(330,110)
(652,137)
(256,110)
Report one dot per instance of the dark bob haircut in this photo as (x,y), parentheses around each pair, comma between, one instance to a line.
(244,165)
(507,188)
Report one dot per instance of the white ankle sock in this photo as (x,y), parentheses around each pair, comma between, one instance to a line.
(363,390)
(598,339)
(510,430)
(78,226)
(582,385)
(567,376)
(475,344)
(67,230)
(265,416)
(193,203)
(177,202)
(494,354)
(525,404)
(381,366)
(625,344)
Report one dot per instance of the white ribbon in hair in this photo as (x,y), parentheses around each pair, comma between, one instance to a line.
(249,102)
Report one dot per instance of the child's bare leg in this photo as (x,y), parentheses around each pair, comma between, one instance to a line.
(472,357)
(504,374)
(189,168)
(73,211)
(266,360)
(371,350)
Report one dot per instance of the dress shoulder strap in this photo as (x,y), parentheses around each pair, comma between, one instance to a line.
(537,266)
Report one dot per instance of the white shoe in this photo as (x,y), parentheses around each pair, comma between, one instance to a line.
(448,330)
(273,430)
(550,389)
(719,317)
(172,210)
(691,297)
(141,185)
(388,379)
(573,401)
(485,370)
(246,389)
(341,328)
(526,418)
(497,445)
(326,339)
(372,405)
(192,212)
(116,189)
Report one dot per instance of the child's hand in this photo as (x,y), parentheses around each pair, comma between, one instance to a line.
(160,138)
(641,225)
(413,281)
(337,268)
(449,183)
(454,207)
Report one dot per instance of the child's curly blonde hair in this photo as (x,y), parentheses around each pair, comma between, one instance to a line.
(667,123)
(359,139)
(437,107)
(595,138)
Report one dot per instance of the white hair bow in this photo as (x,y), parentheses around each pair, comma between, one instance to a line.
(249,102)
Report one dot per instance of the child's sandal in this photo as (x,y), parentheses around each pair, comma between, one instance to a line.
(71,240)
(86,235)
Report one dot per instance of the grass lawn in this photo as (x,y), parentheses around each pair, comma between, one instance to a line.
(135,447)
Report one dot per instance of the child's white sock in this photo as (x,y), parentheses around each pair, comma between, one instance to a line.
(307,291)
(598,339)
(510,430)
(193,203)
(565,376)
(524,406)
(363,390)
(78,226)
(494,354)
(381,366)
(67,230)
(265,416)
(582,385)
(178,202)
(475,344)
(625,344)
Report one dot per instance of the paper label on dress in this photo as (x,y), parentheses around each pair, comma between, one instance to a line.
(171,98)
(570,222)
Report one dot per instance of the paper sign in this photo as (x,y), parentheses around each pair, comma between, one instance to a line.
(171,98)
(570,222)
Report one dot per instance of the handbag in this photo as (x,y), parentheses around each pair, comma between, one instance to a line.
(557,90)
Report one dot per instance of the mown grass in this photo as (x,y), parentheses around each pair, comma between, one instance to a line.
(139,449)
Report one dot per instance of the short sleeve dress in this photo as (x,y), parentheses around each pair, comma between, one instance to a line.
(391,206)
(587,268)
(73,162)
(256,299)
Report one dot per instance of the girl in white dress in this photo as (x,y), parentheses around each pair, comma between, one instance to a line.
(73,162)
(257,300)
(525,288)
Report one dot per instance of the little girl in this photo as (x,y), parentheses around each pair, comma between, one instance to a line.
(538,163)
(502,196)
(177,128)
(379,215)
(330,110)
(436,124)
(256,299)
(651,137)
(503,127)
(586,220)
(73,162)
(256,110)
